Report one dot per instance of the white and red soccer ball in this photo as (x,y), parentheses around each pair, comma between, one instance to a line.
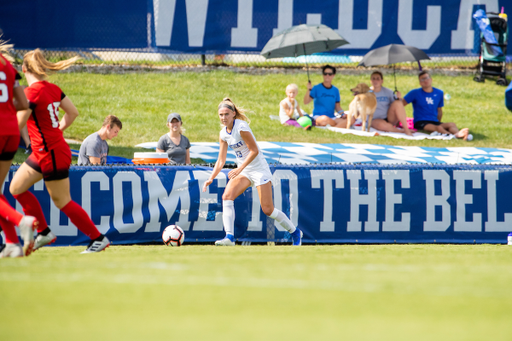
(173,235)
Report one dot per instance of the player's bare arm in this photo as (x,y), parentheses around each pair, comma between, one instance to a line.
(20,100)
(221,161)
(71,113)
(23,117)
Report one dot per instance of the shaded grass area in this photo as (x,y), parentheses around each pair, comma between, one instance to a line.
(143,100)
(196,292)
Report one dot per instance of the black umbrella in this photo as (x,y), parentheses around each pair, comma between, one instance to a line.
(392,54)
(302,40)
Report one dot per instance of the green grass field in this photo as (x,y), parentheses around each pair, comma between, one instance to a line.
(143,100)
(322,292)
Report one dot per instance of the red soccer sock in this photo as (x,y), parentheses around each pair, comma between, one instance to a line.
(31,207)
(79,217)
(9,213)
(10,231)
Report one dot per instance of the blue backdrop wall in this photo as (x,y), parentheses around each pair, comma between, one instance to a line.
(331,204)
(436,26)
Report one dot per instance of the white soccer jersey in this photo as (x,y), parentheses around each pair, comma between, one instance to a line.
(235,142)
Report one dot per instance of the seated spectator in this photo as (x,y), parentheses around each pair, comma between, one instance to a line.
(326,97)
(427,103)
(94,149)
(174,143)
(390,111)
(289,110)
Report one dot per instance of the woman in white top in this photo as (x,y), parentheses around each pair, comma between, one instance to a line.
(289,110)
(252,170)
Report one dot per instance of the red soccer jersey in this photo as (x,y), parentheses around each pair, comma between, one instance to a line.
(8,76)
(43,124)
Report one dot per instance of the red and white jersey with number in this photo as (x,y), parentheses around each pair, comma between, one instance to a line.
(43,124)
(8,78)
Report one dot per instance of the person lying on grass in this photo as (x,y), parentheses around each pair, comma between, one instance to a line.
(427,103)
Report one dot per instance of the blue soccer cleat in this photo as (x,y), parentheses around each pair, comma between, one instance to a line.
(297,237)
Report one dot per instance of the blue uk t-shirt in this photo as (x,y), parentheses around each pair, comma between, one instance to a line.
(325,99)
(425,104)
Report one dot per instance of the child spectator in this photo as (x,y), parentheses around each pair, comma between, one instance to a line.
(289,110)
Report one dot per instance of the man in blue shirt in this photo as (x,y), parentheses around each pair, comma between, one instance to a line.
(427,103)
(326,97)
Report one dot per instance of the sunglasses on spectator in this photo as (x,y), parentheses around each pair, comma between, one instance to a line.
(328,74)
(424,79)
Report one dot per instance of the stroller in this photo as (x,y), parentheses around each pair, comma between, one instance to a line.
(493,56)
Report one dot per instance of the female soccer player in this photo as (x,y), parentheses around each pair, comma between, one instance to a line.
(12,98)
(252,170)
(51,156)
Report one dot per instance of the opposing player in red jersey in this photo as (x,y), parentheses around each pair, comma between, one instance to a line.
(51,156)
(12,98)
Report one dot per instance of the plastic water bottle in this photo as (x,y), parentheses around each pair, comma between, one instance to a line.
(510,238)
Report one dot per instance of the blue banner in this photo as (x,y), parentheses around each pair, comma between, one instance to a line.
(331,204)
(219,26)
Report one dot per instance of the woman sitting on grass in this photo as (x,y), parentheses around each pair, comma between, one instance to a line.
(289,110)
(176,145)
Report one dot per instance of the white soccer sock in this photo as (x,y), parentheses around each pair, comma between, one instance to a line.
(282,220)
(228,216)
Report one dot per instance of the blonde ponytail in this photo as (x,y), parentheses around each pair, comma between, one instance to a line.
(239,112)
(4,51)
(36,64)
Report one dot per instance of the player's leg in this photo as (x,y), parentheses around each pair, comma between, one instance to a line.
(26,224)
(234,188)
(6,211)
(267,206)
(8,215)
(27,175)
(12,247)
(61,197)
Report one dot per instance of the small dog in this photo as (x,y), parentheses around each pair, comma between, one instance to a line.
(363,104)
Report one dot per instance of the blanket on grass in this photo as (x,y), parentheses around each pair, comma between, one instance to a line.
(356,130)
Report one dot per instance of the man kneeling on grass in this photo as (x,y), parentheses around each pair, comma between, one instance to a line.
(427,103)
(94,149)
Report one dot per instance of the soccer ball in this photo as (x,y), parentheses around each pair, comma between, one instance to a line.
(173,235)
